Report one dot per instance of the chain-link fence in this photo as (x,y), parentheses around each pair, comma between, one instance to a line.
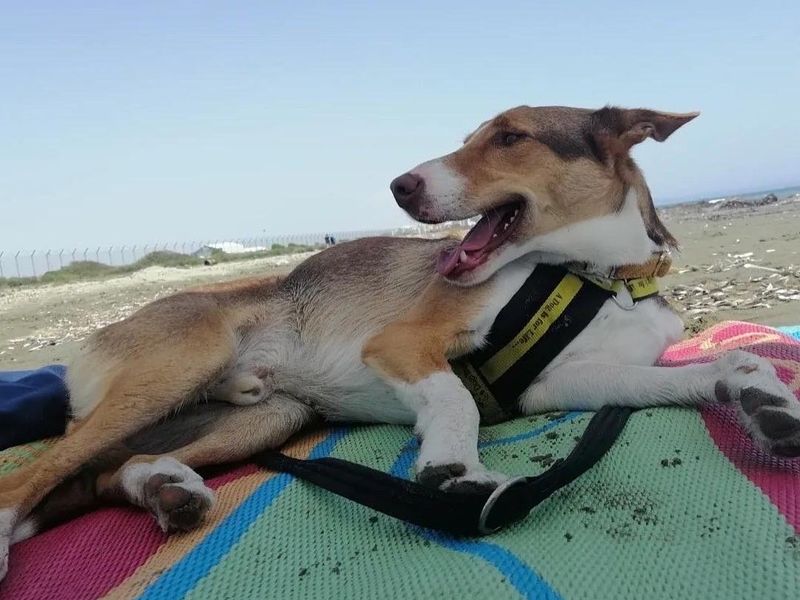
(35,263)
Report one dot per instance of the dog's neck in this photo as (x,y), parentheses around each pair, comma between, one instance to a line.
(605,244)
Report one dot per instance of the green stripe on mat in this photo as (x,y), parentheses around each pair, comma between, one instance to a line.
(312,544)
(664,515)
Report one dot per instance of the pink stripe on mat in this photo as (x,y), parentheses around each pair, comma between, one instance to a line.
(777,478)
(88,570)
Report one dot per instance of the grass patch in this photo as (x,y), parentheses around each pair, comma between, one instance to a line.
(88,270)
(274,250)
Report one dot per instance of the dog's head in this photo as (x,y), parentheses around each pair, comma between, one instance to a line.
(553,180)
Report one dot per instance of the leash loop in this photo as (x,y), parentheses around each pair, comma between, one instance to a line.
(483,528)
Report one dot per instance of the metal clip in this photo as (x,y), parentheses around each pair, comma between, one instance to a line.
(662,258)
(492,500)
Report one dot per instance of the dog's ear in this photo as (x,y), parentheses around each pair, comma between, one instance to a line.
(617,129)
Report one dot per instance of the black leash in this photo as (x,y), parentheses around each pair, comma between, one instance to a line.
(456,513)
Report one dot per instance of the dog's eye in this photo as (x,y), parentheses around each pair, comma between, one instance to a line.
(508,138)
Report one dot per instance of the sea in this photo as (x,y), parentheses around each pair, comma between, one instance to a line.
(781,193)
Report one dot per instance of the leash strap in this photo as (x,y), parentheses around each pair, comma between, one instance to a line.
(465,514)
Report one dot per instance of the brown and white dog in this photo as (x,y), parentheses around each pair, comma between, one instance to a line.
(363,332)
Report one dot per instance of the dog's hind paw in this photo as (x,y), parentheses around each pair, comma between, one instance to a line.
(3,558)
(7,519)
(243,389)
(171,491)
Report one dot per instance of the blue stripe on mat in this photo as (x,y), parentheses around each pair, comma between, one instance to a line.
(403,463)
(792,330)
(520,575)
(184,575)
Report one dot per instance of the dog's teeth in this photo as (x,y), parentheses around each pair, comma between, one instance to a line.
(463,256)
(511,220)
(516,211)
(505,226)
(494,235)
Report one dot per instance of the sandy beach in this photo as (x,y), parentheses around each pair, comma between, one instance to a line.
(736,262)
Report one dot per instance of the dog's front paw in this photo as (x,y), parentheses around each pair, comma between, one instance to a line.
(767,407)
(773,420)
(479,481)
(434,476)
(458,478)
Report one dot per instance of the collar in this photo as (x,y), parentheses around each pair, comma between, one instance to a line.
(657,265)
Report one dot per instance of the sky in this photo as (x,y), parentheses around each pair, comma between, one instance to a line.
(138,122)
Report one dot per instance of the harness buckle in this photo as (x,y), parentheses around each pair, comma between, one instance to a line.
(492,500)
(663,257)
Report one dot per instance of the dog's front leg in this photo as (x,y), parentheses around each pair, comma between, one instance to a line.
(447,425)
(766,406)
(412,360)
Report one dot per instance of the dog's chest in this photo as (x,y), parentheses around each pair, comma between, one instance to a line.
(622,332)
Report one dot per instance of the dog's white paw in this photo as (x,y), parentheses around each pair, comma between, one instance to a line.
(475,481)
(171,491)
(767,407)
(243,389)
(3,558)
(456,477)
(7,518)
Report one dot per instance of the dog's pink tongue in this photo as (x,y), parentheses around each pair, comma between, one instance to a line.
(477,238)
(481,234)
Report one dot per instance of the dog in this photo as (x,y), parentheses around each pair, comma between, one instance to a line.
(365,331)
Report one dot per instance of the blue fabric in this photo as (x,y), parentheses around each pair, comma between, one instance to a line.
(793,331)
(33,405)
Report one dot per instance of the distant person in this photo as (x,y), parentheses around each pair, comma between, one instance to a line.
(333,240)
(327,240)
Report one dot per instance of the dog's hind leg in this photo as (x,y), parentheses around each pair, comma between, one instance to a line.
(766,406)
(146,388)
(172,491)
(160,477)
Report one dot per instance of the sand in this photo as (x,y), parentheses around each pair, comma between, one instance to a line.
(735,263)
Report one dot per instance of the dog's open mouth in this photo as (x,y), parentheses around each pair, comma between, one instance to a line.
(488,234)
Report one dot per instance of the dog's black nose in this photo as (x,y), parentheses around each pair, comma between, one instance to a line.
(407,188)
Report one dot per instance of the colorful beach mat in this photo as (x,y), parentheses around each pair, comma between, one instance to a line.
(684,506)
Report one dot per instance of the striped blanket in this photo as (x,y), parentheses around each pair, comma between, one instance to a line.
(683,506)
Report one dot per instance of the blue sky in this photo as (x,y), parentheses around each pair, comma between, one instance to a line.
(135,122)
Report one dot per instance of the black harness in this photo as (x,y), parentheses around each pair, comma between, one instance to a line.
(549,311)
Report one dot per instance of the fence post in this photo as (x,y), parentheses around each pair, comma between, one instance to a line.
(16,262)
(1,264)
(85,255)
(47,259)
(122,254)
(61,259)
(133,253)
(97,254)
(33,264)
(110,260)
